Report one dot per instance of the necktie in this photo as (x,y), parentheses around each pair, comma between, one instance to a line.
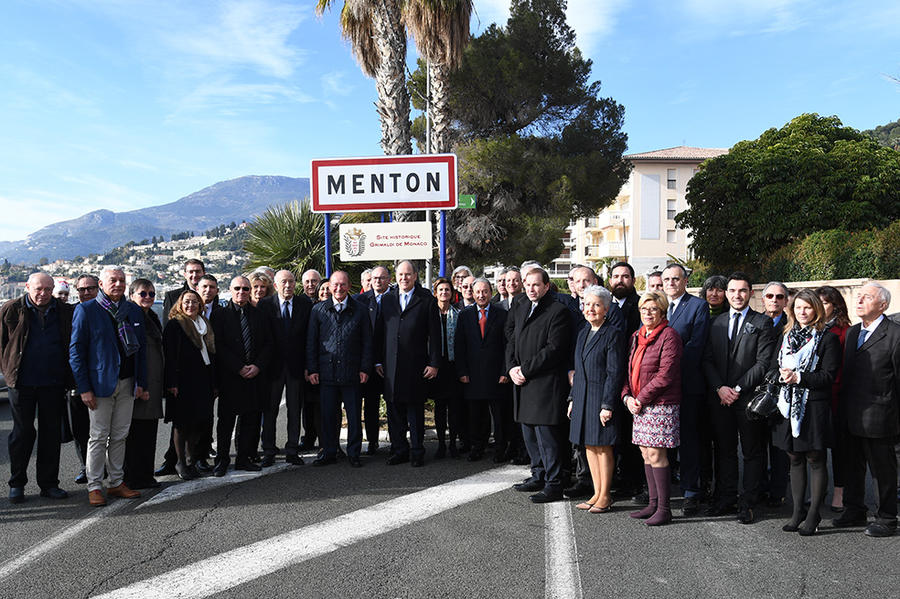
(863,333)
(734,327)
(533,307)
(671,310)
(403,299)
(245,335)
(377,306)
(286,315)
(482,321)
(338,307)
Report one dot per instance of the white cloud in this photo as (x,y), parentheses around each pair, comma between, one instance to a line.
(740,17)
(335,83)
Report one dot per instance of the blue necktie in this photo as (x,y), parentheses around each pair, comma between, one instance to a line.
(863,333)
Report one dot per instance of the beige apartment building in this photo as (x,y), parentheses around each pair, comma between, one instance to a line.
(639,226)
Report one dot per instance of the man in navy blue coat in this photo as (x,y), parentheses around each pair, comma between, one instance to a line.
(479,349)
(371,391)
(108,356)
(339,358)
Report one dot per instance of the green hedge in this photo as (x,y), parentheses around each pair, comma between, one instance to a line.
(836,254)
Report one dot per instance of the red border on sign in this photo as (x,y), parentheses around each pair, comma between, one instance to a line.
(449,203)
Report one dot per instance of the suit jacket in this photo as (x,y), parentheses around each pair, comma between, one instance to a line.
(541,345)
(94,349)
(406,342)
(631,314)
(660,370)
(235,392)
(870,387)
(368,300)
(483,360)
(339,345)
(14,323)
(171,297)
(597,382)
(749,357)
(691,322)
(290,341)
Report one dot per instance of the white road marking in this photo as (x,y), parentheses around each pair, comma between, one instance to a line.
(232,568)
(38,551)
(199,485)
(562,575)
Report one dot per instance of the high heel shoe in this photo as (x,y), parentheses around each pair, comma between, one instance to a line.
(584,505)
(808,529)
(794,523)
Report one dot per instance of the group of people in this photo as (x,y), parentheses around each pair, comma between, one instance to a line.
(602,391)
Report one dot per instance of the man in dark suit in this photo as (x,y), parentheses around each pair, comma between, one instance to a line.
(775,299)
(500,281)
(288,316)
(243,351)
(480,351)
(869,405)
(339,358)
(538,354)
(193,271)
(736,358)
(408,334)
(35,331)
(372,389)
(466,295)
(513,281)
(621,285)
(689,316)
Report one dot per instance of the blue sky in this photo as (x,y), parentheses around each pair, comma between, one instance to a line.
(122,104)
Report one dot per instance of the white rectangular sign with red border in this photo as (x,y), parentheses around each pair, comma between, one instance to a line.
(384,183)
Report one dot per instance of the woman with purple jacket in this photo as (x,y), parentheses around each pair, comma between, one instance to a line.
(652,393)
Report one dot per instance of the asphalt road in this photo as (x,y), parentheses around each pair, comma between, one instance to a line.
(450,529)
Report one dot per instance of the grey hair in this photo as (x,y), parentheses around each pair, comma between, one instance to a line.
(883,294)
(459,269)
(602,293)
(482,280)
(107,269)
(778,284)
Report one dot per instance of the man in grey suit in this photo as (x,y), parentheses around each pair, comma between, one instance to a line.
(736,358)
(870,406)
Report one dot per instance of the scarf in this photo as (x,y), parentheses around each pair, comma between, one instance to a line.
(200,334)
(127,337)
(643,340)
(798,352)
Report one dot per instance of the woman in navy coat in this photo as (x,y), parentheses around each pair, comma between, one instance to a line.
(596,383)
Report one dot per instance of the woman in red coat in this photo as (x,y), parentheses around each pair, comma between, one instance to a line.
(652,393)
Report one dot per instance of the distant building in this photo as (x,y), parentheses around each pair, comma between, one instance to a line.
(640,224)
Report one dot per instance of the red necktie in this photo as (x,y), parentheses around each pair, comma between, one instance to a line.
(482,320)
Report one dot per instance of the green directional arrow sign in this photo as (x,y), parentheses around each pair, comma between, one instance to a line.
(466,201)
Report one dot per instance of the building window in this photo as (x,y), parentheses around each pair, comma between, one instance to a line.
(670,236)
(670,209)
(670,178)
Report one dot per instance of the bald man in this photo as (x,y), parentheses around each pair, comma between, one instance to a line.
(34,340)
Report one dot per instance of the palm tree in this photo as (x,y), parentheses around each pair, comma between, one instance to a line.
(441,31)
(377,36)
(290,237)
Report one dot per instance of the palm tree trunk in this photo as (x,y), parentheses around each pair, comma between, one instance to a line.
(390,79)
(440,109)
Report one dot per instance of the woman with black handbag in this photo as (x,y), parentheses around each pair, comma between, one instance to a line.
(806,364)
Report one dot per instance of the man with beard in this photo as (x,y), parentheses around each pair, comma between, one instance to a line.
(621,284)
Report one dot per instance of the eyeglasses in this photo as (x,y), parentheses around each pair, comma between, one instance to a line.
(240,289)
(650,310)
(147,293)
(86,289)
(775,296)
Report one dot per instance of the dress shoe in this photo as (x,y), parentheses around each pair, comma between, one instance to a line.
(294,459)
(810,526)
(398,458)
(544,497)
(578,491)
(878,530)
(774,502)
(54,493)
(324,460)
(416,462)
(213,454)
(81,479)
(220,469)
(166,469)
(746,515)
(691,506)
(339,454)
(203,466)
(254,459)
(529,486)
(123,492)
(195,472)
(721,509)
(184,471)
(267,461)
(16,494)
(848,520)
(96,499)
(475,455)
(372,449)
(247,466)
(355,462)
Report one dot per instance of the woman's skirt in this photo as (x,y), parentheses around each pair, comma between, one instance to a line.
(657,426)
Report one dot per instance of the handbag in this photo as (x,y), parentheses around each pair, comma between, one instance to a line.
(764,403)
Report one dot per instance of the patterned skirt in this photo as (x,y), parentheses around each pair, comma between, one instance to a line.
(657,426)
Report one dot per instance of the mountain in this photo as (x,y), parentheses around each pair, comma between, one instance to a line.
(101,230)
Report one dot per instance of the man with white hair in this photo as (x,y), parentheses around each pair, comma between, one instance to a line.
(34,340)
(870,402)
(108,355)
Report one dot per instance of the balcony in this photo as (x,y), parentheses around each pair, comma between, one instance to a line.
(604,250)
(607,218)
